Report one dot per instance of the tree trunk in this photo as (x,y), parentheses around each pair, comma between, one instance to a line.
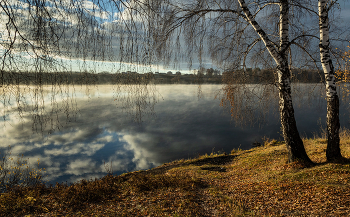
(295,146)
(333,146)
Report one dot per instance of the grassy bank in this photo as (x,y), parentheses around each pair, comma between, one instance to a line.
(255,182)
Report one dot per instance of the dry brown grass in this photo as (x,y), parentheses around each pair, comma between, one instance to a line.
(255,182)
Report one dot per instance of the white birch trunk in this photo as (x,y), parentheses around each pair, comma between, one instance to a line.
(324,49)
(269,46)
(333,150)
(296,150)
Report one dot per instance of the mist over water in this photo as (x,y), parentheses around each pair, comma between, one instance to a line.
(75,130)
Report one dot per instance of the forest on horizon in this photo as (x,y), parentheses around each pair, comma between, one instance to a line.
(248,76)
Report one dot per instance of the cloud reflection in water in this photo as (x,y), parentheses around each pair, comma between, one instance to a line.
(182,126)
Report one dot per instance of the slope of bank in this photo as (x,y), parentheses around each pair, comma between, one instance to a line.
(255,182)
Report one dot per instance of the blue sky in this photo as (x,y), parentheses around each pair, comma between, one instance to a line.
(345,9)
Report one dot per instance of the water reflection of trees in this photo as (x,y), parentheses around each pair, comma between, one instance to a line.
(251,104)
(42,104)
(248,103)
(50,107)
(138,100)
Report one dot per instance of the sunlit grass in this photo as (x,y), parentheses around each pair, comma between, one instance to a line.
(255,182)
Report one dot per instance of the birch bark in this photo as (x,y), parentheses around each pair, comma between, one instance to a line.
(296,150)
(333,150)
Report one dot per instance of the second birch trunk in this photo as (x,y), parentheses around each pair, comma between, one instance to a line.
(333,145)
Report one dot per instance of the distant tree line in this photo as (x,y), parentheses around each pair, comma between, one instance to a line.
(202,76)
(268,76)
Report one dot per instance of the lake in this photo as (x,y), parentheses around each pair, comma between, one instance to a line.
(75,131)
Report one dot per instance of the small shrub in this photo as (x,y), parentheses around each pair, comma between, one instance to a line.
(273,142)
(17,172)
(234,151)
(344,133)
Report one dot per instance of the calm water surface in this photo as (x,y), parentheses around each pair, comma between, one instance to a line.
(74,131)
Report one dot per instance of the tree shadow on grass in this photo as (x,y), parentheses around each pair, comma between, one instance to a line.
(218,160)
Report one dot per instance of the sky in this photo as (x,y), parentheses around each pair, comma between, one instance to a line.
(107,19)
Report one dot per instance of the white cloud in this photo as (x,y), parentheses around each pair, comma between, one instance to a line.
(105,139)
(128,15)
(81,166)
(90,5)
(73,149)
(114,163)
(34,160)
(102,15)
(19,149)
(143,158)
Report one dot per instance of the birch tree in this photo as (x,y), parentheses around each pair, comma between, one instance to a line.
(232,23)
(279,53)
(333,141)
